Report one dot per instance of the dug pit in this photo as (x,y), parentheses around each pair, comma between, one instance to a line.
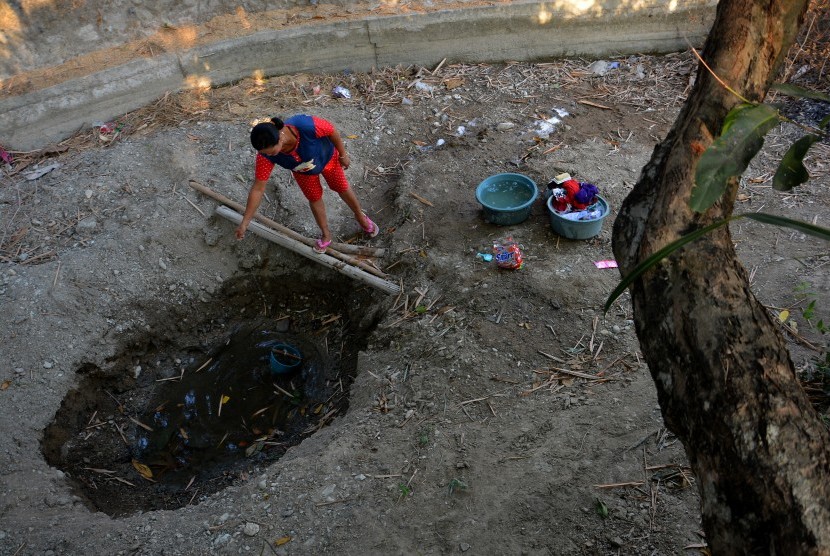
(192,403)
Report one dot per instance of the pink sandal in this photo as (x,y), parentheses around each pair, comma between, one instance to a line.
(373,229)
(321,246)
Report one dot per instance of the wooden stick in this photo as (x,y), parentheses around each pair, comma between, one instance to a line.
(205,364)
(475,400)
(594,104)
(427,202)
(553,148)
(192,204)
(341,501)
(620,485)
(140,424)
(549,356)
(306,251)
(121,432)
(342,247)
(286,353)
(576,373)
(283,391)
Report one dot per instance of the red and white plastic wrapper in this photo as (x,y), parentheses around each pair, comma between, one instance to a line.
(508,254)
(107,131)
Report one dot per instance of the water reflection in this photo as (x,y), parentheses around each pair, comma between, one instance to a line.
(233,407)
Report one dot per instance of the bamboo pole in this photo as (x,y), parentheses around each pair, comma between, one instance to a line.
(342,247)
(332,250)
(306,251)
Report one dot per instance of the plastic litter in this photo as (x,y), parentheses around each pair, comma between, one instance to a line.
(107,131)
(421,86)
(31,176)
(606,264)
(508,254)
(341,92)
(600,67)
(544,128)
(6,156)
(486,257)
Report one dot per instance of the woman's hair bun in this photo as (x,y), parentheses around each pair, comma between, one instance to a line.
(266,134)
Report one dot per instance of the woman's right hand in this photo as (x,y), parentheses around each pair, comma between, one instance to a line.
(254,198)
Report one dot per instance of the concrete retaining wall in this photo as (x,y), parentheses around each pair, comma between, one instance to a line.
(519,31)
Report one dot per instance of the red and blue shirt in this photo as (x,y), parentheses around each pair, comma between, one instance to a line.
(314,148)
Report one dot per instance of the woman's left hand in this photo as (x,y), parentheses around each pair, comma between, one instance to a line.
(345,161)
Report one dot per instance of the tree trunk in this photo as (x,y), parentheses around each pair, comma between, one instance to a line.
(724,378)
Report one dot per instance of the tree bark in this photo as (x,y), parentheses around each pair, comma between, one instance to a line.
(725,382)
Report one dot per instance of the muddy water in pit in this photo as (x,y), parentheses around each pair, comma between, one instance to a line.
(234,406)
(206,409)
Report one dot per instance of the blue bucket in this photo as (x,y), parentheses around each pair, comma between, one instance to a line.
(507,198)
(577,229)
(284,358)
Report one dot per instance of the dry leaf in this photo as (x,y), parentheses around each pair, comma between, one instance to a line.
(283,540)
(453,82)
(5,385)
(784,315)
(225,399)
(143,470)
(254,448)
(352,136)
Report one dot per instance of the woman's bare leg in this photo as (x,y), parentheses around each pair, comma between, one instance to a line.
(350,199)
(318,209)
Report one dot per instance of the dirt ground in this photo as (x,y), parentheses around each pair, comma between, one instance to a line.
(481,411)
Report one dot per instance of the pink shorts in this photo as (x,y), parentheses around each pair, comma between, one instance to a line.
(335,178)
